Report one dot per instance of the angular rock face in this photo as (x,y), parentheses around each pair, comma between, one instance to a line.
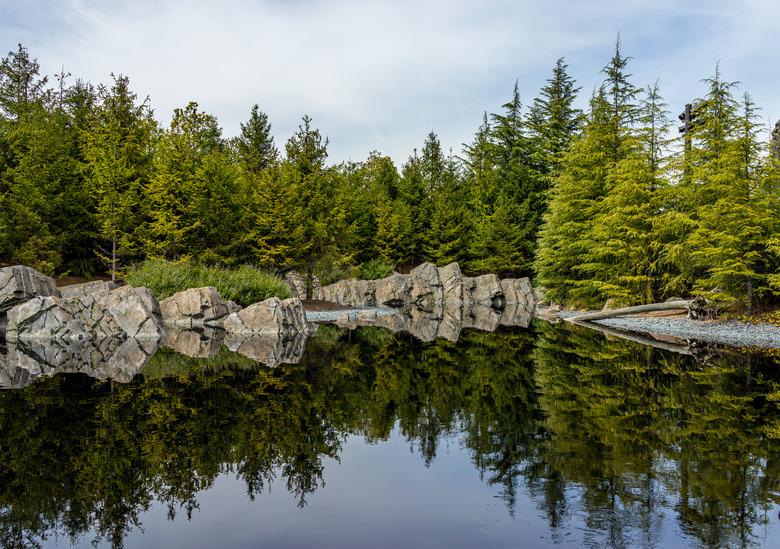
(517,290)
(270,350)
(356,293)
(118,359)
(43,318)
(125,311)
(426,289)
(20,283)
(272,316)
(86,288)
(393,291)
(196,307)
(486,290)
(298,286)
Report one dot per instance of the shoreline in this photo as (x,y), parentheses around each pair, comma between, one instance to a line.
(733,333)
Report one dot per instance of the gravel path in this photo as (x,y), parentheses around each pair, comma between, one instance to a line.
(731,332)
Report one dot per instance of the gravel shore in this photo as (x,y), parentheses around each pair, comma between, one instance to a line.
(730,332)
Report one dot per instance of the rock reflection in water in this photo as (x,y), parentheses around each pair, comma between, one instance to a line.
(121,359)
(440,323)
(118,359)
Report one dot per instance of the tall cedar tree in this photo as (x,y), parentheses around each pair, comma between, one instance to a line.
(118,152)
(255,144)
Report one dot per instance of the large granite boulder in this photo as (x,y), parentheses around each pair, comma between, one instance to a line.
(270,350)
(518,291)
(86,288)
(272,316)
(43,318)
(393,291)
(136,311)
(356,293)
(298,286)
(486,290)
(196,307)
(426,289)
(20,283)
(125,311)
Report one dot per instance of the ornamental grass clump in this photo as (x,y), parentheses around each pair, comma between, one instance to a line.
(244,285)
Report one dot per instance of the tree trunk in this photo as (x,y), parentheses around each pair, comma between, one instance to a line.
(600,315)
(113,260)
(309,278)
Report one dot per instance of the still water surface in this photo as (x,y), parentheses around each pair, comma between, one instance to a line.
(539,437)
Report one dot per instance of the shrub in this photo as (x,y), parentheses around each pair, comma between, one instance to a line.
(375,269)
(244,285)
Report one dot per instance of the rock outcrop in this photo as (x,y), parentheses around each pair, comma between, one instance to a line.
(437,302)
(196,307)
(117,359)
(21,283)
(298,286)
(273,316)
(126,311)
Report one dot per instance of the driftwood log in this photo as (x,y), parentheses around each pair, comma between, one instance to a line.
(623,311)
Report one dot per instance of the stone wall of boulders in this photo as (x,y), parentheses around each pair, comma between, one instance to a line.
(438,302)
(110,332)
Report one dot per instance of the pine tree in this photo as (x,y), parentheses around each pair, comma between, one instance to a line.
(413,192)
(117,150)
(553,119)
(623,255)
(481,171)
(565,239)
(450,232)
(255,145)
(315,184)
(729,243)
(194,195)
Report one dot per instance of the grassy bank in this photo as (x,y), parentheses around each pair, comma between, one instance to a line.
(244,285)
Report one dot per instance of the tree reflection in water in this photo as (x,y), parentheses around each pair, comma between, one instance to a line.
(618,433)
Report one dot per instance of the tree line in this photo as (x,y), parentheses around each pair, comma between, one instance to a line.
(595,205)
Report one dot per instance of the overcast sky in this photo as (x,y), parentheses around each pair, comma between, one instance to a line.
(378,75)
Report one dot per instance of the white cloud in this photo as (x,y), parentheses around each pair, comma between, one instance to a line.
(379,75)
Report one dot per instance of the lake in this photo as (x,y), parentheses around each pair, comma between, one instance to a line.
(551,436)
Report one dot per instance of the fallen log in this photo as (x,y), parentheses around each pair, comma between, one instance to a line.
(635,337)
(611,313)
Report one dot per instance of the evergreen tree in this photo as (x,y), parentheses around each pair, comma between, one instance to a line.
(728,246)
(315,184)
(117,149)
(450,231)
(413,192)
(194,194)
(255,145)
(553,119)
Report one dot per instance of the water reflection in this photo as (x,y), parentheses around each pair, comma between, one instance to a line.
(614,439)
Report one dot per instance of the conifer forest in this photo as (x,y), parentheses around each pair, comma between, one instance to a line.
(612,202)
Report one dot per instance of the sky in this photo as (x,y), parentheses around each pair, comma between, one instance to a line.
(379,75)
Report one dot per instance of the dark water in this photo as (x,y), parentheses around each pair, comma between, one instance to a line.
(550,436)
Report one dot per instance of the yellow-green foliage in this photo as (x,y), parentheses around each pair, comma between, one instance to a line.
(244,285)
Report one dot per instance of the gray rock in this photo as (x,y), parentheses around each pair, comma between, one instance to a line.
(20,283)
(518,291)
(43,318)
(356,293)
(298,286)
(272,316)
(135,310)
(486,290)
(393,291)
(269,349)
(426,289)
(196,307)
(86,288)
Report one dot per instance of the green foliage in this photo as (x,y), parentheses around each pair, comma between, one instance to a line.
(375,269)
(244,285)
